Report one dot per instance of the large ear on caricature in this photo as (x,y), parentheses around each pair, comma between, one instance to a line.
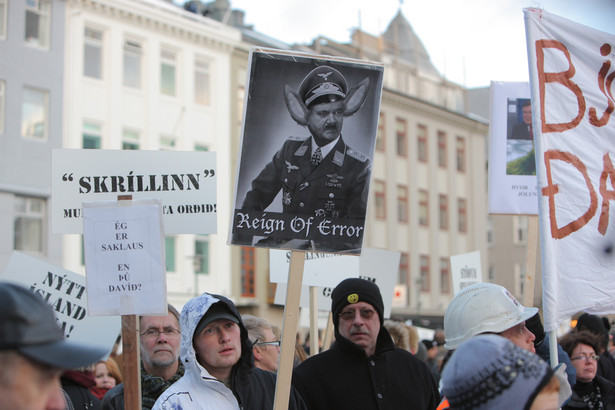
(356,97)
(295,106)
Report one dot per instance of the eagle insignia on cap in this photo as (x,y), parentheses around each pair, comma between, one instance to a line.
(325,75)
(352,298)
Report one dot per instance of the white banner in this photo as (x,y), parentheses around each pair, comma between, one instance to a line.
(571,82)
(66,293)
(466,270)
(184,181)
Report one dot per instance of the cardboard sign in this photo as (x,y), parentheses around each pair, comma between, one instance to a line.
(571,82)
(466,270)
(303,177)
(512,163)
(185,182)
(377,265)
(124,258)
(66,293)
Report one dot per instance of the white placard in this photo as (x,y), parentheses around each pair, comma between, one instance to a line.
(571,82)
(184,181)
(319,269)
(512,164)
(377,265)
(466,270)
(66,293)
(124,258)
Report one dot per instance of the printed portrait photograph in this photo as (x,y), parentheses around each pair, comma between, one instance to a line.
(520,138)
(307,146)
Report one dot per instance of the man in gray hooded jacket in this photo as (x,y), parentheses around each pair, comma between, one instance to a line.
(218,361)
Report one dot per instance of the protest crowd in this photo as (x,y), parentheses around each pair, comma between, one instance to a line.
(493,353)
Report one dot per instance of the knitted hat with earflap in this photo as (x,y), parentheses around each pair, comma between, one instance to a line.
(489,372)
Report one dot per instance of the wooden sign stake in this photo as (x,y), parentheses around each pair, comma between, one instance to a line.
(131,353)
(530,261)
(289,330)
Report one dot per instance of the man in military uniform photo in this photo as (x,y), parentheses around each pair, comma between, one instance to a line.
(319,175)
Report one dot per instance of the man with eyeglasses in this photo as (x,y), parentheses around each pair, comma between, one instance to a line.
(217,354)
(363,369)
(265,345)
(160,367)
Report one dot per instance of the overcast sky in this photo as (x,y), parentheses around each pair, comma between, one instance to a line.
(470,42)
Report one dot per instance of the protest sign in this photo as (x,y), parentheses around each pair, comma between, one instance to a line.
(512,164)
(303,178)
(185,182)
(123,243)
(571,78)
(377,265)
(66,293)
(465,270)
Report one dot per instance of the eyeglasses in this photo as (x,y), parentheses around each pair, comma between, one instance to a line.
(155,333)
(272,343)
(350,314)
(585,357)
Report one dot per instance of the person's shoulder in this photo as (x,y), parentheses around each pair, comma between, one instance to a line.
(111,399)
(356,155)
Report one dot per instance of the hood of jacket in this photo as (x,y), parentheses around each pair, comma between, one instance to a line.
(191,315)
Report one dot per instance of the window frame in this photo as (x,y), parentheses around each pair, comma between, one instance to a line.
(381,133)
(422,152)
(423,207)
(424,269)
(443,219)
(445,276)
(403,214)
(95,44)
(93,133)
(202,68)
(45,109)
(132,51)
(30,214)
(380,200)
(202,260)
(461,154)
(442,154)
(401,137)
(462,207)
(168,62)
(3,18)
(44,23)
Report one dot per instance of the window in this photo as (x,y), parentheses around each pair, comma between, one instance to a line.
(380,198)
(422,143)
(202,86)
(519,278)
(401,133)
(38,14)
(168,65)
(201,147)
(443,205)
(463,215)
(169,253)
(3,19)
(2,104)
(168,143)
(442,149)
(520,229)
(30,224)
(423,207)
(92,53)
(490,232)
(34,113)
(404,269)
(424,278)
(461,154)
(247,272)
(491,273)
(92,135)
(131,140)
(132,63)
(402,203)
(380,136)
(445,277)
(201,255)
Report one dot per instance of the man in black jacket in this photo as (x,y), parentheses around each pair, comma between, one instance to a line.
(363,369)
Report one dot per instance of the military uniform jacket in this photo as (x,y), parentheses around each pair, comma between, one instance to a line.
(337,187)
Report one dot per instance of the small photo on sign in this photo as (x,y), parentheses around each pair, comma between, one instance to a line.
(308,140)
(520,158)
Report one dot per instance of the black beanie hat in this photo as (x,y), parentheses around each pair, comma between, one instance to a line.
(354,290)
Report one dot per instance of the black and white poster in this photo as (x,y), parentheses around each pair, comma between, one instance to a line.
(308,139)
